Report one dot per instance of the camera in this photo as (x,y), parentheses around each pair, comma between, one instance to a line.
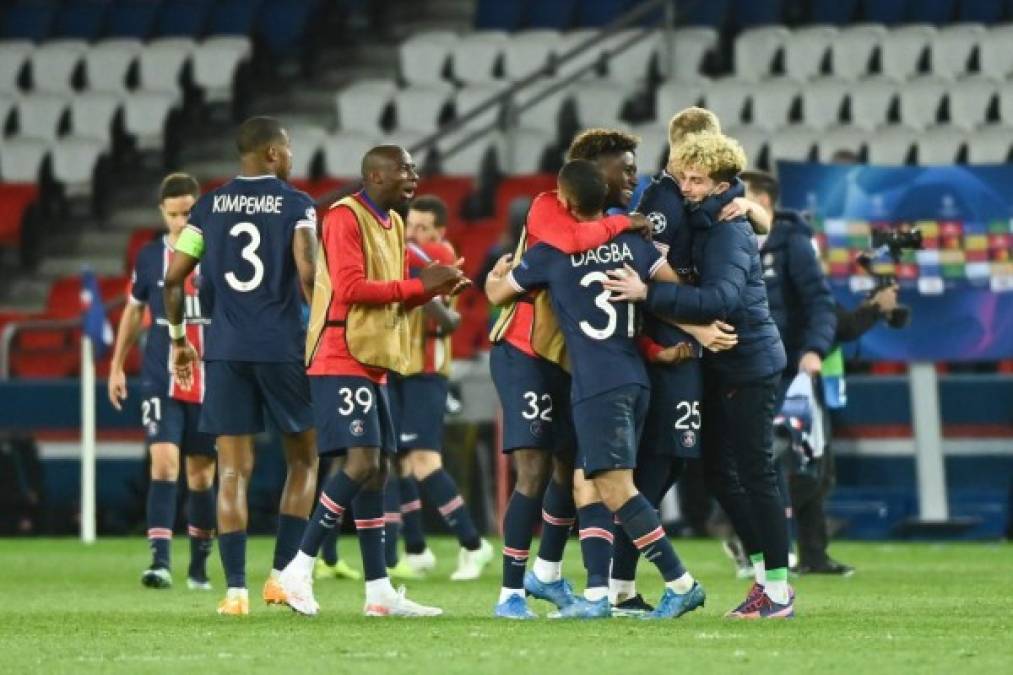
(890,242)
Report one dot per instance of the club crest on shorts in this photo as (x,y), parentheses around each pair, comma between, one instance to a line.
(537,428)
(152,428)
(357,427)
(658,221)
(688,439)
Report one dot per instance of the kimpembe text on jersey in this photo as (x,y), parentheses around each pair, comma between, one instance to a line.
(611,252)
(248,204)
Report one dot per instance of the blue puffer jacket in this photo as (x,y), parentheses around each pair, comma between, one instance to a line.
(799,296)
(731,289)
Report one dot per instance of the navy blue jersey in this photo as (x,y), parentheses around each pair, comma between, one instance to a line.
(599,333)
(146,288)
(247,226)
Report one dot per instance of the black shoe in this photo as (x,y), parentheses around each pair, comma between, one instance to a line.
(829,567)
(635,606)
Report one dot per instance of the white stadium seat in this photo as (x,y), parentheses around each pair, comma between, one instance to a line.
(53,65)
(7,105)
(528,51)
(475,56)
(468,161)
(851,51)
(990,145)
(39,115)
(361,105)
(652,153)
(306,142)
(470,97)
(524,149)
(689,49)
(544,114)
(951,49)
(871,100)
(145,114)
(822,100)
(591,56)
(162,62)
(727,97)
(634,63)
(755,50)
(215,61)
(805,50)
(423,56)
(920,100)
(902,50)
(1006,103)
(92,114)
(794,144)
(891,145)
(994,54)
(773,101)
(839,139)
(940,145)
(73,160)
(21,159)
(600,102)
(108,62)
(419,107)
(674,95)
(969,101)
(14,54)
(344,150)
(753,141)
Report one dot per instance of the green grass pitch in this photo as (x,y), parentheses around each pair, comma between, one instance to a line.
(910,608)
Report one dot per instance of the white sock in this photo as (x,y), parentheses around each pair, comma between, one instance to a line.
(237,593)
(546,571)
(380,590)
(303,562)
(505,593)
(682,585)
(596,593)
(621,590)
(274,574)
(777,591)
(760,572)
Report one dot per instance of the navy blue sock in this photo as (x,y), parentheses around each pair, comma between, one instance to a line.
(232,548)
(441,490)
(594,523)
(286,545)
(519,523)
(391,520)
(369,525)
(200,508)
(558,515)
(624,557)
(329,549)
(643,526)
(161,518)
(411,516)
(334,499)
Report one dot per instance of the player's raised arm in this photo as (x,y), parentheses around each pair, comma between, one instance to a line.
(189,249)
(549,221)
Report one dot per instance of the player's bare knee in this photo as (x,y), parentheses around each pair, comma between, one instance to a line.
(200,473)
(424,462)
(533,468)
(363,464)
(164,461)
(615,488)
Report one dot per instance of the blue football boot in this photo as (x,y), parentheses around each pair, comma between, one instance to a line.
(673,605)
(514,607)
(559,593)
(581,608)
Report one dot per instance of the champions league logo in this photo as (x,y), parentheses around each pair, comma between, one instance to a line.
(357,427)
(688,439)
(658,221)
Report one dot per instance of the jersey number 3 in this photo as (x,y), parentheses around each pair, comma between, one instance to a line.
(249,254)
(604,304)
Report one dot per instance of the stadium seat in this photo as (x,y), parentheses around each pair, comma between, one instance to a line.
(727,97)
(453,190)
(851,51)
(7,105)
(871,101)
(689,49)
(162,61)
(822,100)
(21,159)
(556,15)
(989,145)
(891,145)
(528,51)
(470,97)
(282,24)
(183,18)
(54,63)
(476,56)
(673,96)
(512,187)
(839,139)
(307,142)
(633,64)
(82,19)
(73,160)
(969,101)
(420,108)
(806,49)
(131,18)
(343,152)
(932,11)
(584,61)
(14,54)
(145,116)
(835,12)
(749,13)
(362,104)
(940,145)
(39,115)
(524,150)
(215,62)
(28,21)
(995,56)
(920,101)
(773,101)
(753,141)
(980,11)
(903,48)
(15,198)
(600,103)
(233,17)
(692,13)
(108,62)
(1006,103)
(951,49)
(756,49)
(499,15)
(92,115)
(423,56)
(796,144)
(543,114)
(887,12)
(471,159)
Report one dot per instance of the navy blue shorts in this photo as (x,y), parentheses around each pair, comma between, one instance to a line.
(351,412)
(417,405)
(673,417)
(535,397)
(608,428)
(238,392)
(168,420)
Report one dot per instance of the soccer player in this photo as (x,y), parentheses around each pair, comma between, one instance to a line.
(170,415)
(740,385)
(255,238)
(610,387)
(419,400)
(358,332)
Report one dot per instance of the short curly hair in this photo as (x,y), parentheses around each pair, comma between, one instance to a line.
(720,156)
(692,120)
(591,144)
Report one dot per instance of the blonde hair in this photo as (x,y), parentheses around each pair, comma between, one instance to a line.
(691,120)
(720,156)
